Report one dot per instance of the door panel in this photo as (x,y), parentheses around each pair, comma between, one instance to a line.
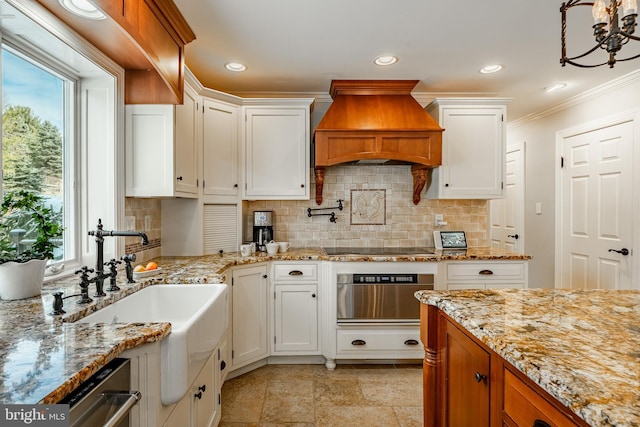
(596,208)
(506,215)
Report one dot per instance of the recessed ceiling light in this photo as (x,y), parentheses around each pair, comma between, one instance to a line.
(491,69)
(83,8)
(555,87)
(385,60)
(235,66)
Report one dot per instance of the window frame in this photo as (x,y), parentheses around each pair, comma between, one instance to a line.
(98,159)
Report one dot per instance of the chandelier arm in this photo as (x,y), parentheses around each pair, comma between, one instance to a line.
(593,49)
(628,59)
(569,61)
(629,36)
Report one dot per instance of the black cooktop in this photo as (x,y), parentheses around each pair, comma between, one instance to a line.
(380,251)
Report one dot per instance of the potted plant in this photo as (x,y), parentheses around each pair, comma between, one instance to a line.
(29,233)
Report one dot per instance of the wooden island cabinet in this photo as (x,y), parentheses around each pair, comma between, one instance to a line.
(465,383)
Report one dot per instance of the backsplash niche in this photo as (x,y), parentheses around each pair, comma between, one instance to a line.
(378,210)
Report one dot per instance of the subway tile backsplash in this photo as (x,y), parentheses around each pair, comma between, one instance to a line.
(405,223)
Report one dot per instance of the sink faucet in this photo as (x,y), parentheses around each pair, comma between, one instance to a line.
(100,234)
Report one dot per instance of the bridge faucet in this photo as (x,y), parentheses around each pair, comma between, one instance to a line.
(100,234)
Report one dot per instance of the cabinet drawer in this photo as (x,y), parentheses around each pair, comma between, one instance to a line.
(295,272)
(523,405)
(485,272)
(363,340)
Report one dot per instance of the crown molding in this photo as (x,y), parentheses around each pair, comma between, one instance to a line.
(615,84)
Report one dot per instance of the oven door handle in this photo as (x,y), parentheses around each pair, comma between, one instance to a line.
(124,409)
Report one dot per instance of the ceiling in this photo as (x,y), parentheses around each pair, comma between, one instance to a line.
(299,46)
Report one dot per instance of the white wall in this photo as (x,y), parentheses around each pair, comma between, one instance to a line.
(615,97)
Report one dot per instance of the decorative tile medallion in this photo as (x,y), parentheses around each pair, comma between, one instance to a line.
(368,207)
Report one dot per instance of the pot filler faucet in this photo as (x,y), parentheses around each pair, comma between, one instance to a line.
(100,234)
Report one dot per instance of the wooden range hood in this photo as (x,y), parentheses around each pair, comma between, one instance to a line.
(377,121)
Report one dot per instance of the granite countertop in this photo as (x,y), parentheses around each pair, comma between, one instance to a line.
(44,357)
(582,346)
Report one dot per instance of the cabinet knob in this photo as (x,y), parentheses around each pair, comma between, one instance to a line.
(485,272)
(411,342)
(515,236)
(313,295)
(301,185)
(264,277)
(179,178)
(198,395)
(480,377)
(223,365)
(202,388)
(235,185)
(446,185)
(358,342)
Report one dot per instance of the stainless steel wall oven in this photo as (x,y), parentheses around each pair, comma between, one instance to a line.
(380,298)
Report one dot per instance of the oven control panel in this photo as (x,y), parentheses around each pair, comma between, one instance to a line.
(385,278)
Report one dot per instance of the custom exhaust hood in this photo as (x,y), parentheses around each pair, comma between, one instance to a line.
(377,122)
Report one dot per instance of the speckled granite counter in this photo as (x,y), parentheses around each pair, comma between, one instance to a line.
(44,357)
(583,347)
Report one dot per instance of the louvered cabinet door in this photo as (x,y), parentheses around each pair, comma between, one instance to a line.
(220,228)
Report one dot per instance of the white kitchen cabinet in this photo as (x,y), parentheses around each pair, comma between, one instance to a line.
(220,148)
(295,308)
(249,315)
(378,342)
(296,319)
(473,148)
(454,275)
(162,149)
(276,150)
(204,395)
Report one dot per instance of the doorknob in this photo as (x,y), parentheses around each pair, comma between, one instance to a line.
(623,251)
(515,236)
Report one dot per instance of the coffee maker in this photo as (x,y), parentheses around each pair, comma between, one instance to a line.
(262,229)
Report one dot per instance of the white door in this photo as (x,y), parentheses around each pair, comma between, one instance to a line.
(506,216)
(596,208)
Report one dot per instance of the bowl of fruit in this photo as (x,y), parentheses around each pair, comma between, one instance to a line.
(145,270)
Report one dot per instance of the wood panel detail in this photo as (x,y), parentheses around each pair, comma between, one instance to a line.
(145,37)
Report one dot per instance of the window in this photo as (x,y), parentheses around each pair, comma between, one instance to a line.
(35,136)
(80,120)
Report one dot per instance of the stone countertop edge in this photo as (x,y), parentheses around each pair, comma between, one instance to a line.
(581,346)
(29,322)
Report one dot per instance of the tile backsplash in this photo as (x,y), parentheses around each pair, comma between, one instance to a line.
(405,224)
(141,208)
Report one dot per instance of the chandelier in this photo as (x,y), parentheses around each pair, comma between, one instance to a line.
(610,32)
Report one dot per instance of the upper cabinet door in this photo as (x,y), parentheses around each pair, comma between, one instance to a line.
(276,156)
(186,146)
(220,149)
(473,150)
(161,149)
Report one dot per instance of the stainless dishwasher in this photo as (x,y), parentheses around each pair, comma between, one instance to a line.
(104,399)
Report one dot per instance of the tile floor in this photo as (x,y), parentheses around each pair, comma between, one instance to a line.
(311,395)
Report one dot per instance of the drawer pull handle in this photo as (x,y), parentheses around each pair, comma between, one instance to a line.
(486,272)
(411,342)
(480,377)
(295,273)
(540,423)
(358,342)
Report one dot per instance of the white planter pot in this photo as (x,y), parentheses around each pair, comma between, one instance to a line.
(21,280)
